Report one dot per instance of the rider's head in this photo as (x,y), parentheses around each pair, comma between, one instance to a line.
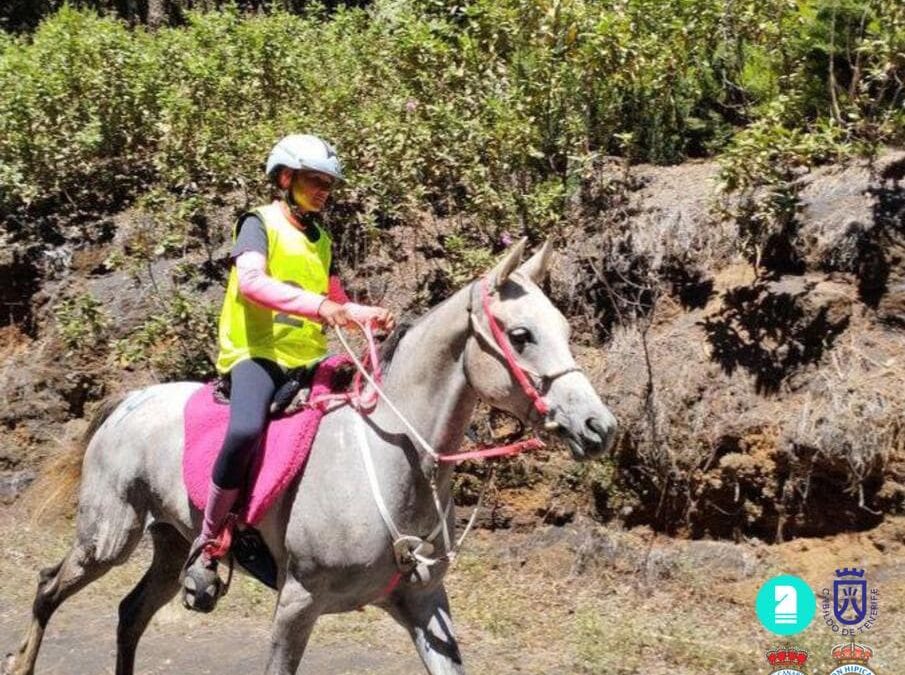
(304,169)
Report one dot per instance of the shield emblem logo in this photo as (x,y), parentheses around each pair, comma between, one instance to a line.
(850,600)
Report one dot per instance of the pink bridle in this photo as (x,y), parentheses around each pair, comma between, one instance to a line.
(540,404)
(501,342)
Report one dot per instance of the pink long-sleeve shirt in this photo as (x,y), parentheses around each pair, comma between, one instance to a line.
(262,289)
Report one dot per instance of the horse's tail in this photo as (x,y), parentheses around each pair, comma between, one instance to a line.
(55,490)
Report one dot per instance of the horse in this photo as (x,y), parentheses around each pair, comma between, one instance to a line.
(327,532)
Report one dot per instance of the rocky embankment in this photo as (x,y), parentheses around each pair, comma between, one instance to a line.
(760,404)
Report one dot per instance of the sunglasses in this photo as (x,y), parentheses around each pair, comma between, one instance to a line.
(319,181)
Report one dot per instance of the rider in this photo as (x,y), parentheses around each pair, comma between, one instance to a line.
(282,288)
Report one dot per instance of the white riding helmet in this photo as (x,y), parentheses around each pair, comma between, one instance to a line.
(304,152)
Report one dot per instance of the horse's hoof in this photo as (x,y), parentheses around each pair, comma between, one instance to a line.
(200,590)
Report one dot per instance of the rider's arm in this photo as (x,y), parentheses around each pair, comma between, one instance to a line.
(262,289)
(250,255)
(360,313)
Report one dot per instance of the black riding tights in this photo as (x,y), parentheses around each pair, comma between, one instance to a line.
(253,382)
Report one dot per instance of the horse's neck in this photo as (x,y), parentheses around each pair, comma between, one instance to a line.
(426,379)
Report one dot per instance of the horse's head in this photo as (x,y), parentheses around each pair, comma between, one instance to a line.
(554,392)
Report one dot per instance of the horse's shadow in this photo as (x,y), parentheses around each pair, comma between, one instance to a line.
(769,333)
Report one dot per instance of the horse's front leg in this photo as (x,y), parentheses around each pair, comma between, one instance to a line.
(293,622)
(425,614)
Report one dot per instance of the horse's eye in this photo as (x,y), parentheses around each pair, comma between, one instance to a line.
(519,337)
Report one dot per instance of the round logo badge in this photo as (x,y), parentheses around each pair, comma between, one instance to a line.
(785,605)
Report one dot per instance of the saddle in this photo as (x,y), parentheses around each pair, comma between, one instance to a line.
(291,396)
(280,459)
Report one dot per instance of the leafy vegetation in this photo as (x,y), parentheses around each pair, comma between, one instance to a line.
(175,342)
(490,107)
(82,322)
(498,116)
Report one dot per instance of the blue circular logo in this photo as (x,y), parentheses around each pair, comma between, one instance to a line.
(785,605)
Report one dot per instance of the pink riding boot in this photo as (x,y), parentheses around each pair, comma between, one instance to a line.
(201,585)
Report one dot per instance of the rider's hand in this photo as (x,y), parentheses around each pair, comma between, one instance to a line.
(335,314)
(384,319)
(366,314)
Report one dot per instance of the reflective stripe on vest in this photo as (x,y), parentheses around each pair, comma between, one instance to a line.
(248,330)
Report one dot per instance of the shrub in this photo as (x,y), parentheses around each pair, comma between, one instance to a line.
(176,341)
(82,322)
(760,183)
(490,108)
(81,98)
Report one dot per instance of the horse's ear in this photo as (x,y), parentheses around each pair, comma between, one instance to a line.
(509,263)
(537,266)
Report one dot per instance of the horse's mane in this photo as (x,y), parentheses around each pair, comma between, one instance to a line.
(388,346)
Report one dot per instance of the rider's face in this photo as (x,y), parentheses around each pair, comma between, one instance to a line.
(310,189)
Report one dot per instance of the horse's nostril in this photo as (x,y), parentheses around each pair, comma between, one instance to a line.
(594,425)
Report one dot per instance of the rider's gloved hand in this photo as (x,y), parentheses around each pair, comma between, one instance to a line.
(335,314)
(365,314)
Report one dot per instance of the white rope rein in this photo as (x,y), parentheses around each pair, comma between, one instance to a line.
(451,549)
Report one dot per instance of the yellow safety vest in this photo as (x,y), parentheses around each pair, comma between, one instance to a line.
(248,330)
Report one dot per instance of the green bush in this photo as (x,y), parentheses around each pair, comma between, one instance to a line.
(175,342)
(81,96)
(760,178)
(490,107)
(82,322)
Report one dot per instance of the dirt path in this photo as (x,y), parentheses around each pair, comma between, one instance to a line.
(581,599)
(81,636)
(81,640)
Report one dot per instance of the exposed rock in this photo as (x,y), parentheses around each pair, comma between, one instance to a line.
(735,391)
(14,483)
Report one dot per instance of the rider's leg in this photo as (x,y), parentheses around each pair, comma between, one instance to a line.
(253,384)
(252,387)
(220,502)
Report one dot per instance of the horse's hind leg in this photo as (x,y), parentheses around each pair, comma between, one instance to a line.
(156,588)
(100,545)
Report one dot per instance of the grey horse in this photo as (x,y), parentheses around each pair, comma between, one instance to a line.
(331,544)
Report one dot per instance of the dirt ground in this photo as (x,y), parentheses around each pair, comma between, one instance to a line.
(576,599)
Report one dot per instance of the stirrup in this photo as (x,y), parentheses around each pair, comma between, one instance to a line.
(202,586)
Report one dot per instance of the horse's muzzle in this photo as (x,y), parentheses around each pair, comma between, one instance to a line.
(586,441)
(600,434)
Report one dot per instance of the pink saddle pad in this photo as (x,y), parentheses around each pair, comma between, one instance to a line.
(280,458)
